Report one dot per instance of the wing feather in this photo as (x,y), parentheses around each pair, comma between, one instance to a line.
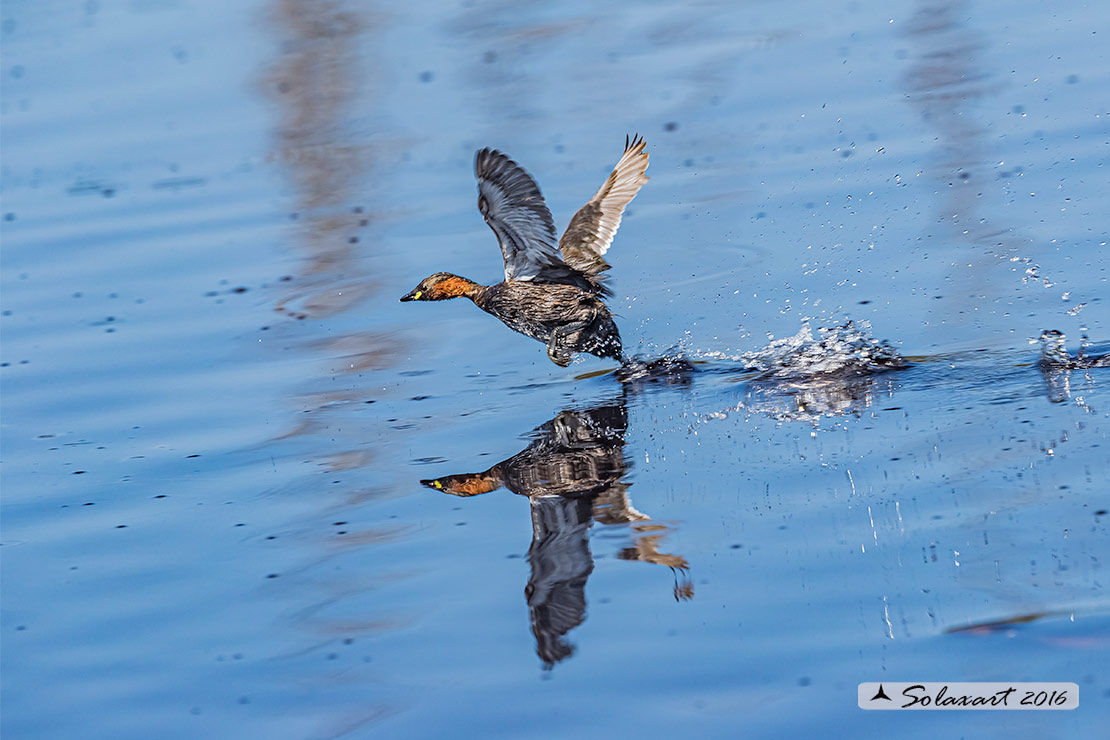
(592,229)
(513,207)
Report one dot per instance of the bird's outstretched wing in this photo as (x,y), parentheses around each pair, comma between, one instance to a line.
(592,229)
(512,205)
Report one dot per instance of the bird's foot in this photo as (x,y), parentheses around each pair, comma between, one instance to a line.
(556,350)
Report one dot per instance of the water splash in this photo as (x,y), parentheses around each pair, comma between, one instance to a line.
(1032,272)
(805,378)
(1054,353)
(1057,365)
(1074,311)
(848,350)
(671,369)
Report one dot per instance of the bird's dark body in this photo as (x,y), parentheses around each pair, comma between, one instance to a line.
(537,309)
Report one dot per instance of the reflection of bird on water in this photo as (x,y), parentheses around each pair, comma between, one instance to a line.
(1056,364)
(810,399)
(550,294)
(572,474)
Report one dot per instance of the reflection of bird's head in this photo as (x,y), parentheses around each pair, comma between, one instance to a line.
(465,484)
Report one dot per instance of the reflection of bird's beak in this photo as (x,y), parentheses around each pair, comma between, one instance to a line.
(410,296)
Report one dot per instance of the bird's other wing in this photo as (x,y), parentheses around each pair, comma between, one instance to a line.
(512,205)
(592,229)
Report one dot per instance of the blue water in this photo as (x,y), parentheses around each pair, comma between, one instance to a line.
(217,417)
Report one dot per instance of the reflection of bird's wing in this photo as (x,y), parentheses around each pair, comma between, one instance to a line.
(592,229)
(561,562)
(512,205)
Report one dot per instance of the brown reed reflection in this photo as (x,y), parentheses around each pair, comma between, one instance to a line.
(318,85)
(572,474)
(319,89)
(946,83)
(314,83)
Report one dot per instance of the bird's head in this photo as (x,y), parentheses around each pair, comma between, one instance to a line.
(440,287)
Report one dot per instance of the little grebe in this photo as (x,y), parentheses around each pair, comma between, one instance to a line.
(554,298)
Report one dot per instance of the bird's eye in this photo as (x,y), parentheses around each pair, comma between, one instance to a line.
(483,204)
